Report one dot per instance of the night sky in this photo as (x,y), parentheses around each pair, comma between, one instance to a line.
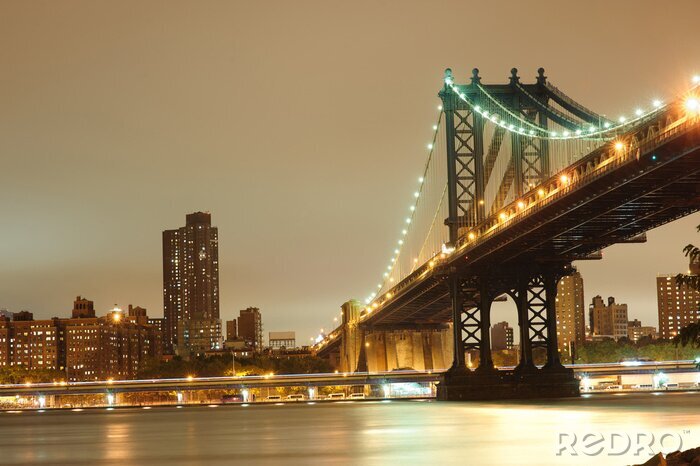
(301,126)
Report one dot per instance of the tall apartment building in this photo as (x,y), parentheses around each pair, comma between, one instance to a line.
(571,314)
(86,348)
(250,328)
(191,287)
(678,306)
(157,322)
(501,336)
(608,320)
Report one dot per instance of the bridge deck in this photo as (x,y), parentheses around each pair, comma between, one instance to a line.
(609,198)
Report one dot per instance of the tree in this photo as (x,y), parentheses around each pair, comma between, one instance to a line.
(217,366)
(20,374)
(690,334)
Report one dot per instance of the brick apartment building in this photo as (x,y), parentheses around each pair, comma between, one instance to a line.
(85,347)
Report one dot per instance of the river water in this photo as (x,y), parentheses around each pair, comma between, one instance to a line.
(352,433)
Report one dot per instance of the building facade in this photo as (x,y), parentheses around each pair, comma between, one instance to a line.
(501,336)
(231,330)
(108,347)
(636,331)
(608,320)
(282,340)
(83,307)
(678,306)
(250,328)
(571,314)
(31,344)
(85,348)
(191,287)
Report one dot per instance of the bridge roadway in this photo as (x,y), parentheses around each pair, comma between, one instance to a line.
(644,180)
(310,380)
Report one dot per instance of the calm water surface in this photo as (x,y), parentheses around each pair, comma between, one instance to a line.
(374,433)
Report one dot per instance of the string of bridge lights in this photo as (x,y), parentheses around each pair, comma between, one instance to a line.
(591,132)
(530,129)
(412,208)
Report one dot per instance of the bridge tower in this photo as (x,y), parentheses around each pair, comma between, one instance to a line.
(351,338)
(471,157)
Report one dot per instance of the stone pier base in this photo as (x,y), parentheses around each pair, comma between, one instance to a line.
(465,385)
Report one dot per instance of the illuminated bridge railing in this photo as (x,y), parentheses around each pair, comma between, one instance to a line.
(598,163)
(329,338)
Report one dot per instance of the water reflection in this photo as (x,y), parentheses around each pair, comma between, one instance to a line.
(342,433)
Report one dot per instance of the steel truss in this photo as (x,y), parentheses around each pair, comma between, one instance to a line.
(534,291)
(469,168)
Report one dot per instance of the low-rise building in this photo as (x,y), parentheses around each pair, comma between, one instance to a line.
(608,320)
(636,331)
(501,336)
(31,344)
(282,340)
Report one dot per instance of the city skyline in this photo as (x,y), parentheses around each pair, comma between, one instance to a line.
(113,114)
(321,232)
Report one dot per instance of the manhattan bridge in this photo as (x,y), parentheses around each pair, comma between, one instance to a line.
(520,181)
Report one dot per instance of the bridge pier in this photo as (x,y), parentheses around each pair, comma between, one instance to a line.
(533,288)
(418,347)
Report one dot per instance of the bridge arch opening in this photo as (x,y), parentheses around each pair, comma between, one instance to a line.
(505,332)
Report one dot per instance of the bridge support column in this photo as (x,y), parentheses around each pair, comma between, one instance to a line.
(362,355)
(485,299)
(534,289)
(526,363)
(458,364)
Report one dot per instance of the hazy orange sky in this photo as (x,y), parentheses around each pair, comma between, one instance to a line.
(300,125)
